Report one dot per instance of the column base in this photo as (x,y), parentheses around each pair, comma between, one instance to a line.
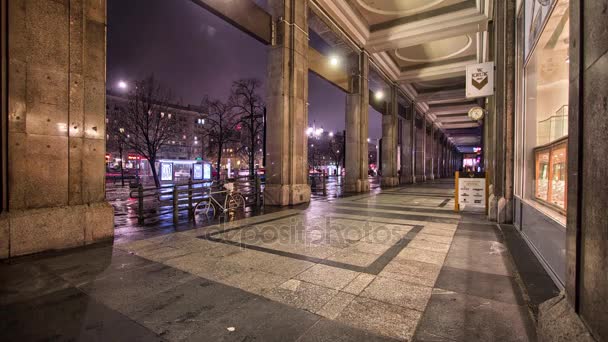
(504,210)
(389,181)
(36,230)
(362,185)
(286,194)
(405,179)
(492,207)
(557,321)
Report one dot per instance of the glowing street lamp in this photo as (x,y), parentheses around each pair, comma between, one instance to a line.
(314,131)
(379,95)
(334,61)
(122,85)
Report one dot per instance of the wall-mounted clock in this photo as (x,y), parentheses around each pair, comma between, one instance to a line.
(476,113)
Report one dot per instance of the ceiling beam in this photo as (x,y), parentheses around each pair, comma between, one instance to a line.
(319,64)
(244,14)
(467,21)
(456,69)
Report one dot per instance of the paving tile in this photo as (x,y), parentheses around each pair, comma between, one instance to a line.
(258,319)
(68,315)
(398,292)
(422,255)
(370,248)
(380,318)
(434,238)
(121,291)
(82,266)
(184,309)
(479,256)
(452,316)
(254,281)
(326,330)
(161,253)
(359,283)
(327,276)
(267,262)
(486,285)
(335,305)
(202,265)
(488,234)
(303,295)
(437,231)
(351,257)
(429,246)
(24,281)
(412,271)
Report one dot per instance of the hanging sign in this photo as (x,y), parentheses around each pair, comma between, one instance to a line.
(480,80)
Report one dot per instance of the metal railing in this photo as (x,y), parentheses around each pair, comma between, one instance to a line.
(172,199)
(319,182)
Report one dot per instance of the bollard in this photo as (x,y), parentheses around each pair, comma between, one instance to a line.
(190,213)
(140,204)
(175,203)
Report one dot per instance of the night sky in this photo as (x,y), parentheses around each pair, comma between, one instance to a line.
(195,53)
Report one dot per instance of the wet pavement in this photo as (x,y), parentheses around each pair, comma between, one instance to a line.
(390,265)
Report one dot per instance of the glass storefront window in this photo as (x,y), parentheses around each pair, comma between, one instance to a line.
(546,112)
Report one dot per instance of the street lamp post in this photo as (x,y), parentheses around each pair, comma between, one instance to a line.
(314,132)
(120,150)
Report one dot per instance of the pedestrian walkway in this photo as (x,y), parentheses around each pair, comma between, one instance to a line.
(394,265)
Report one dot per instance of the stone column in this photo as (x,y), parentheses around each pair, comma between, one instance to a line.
(438,154)
(357,110)
(431,152)
(424,148)
(287,149)
(406,149)
(413,142)
(389,142)
(56,127)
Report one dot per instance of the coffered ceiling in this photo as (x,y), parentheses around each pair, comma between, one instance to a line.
(424,46)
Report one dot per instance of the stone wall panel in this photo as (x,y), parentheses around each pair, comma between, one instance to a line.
(95,51)
(94,109)
(46,102)
(47,34)
(46,172)
(17,109)
(17,174)
(93,170)
(75,171)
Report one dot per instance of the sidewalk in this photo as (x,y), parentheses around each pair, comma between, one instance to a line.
(395,265)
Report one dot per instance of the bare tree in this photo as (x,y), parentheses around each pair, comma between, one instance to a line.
(250,107)
(146,124)
(334,149)
(220,128)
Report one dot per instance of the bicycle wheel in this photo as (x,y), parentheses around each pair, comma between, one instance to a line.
(236,201)
(204,208)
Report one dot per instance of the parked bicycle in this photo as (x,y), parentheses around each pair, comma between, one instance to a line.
(214,205)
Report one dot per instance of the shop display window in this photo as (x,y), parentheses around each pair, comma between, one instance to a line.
(550,181)
(545,118)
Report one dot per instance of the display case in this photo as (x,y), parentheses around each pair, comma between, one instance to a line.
(551,176)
